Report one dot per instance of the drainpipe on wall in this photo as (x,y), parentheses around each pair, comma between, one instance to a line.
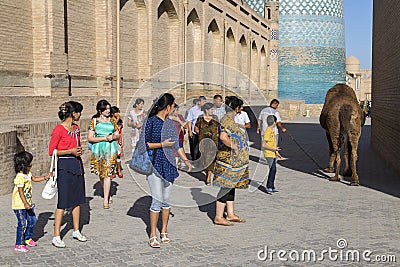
(250,65)
(118,55)
(185,8)
(224,60)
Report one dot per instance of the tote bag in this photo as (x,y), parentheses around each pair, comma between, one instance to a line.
(50,189)
(142,162)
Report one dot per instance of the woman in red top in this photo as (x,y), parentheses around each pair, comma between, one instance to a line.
(70,173)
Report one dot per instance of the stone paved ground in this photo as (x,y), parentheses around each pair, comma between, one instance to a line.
(309,213)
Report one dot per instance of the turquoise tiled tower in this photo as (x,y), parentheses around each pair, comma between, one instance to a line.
(311,48)
(257,5)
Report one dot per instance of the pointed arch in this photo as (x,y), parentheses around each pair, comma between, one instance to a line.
(134,40)
(213,51)
(230,48)
(213,46)
(243,56)
(193,46)
(193,17)
(263,70)
(167,7)
(193,36)
(255,64)
(231,57)
(165,36)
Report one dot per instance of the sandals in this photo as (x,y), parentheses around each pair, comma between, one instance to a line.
(164,238)
(106,206)
(120,174)
(224,223)
(238,219)
(153,242)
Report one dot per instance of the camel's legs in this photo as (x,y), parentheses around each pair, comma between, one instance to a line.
(330,168)
(354,144)
(336,144)
(347,151)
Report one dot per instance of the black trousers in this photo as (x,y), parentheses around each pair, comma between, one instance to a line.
(226,194)
(194,147)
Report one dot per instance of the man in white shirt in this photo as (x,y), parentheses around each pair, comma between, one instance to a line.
(262,120)
(243,120)
(219,108)
(192,116)
(195,102)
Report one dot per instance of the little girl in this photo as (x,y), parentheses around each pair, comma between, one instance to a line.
(115,113)
(22,200)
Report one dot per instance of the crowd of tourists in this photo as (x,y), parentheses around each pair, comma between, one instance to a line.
(218,142)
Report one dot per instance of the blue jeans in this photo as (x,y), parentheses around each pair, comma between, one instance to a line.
(26,222)
(160,192)
(272,172)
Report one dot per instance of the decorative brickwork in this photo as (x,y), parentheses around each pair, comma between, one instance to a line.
(53,51)
(311,48)
(385,129)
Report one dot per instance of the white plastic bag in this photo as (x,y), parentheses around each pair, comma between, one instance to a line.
(50,189)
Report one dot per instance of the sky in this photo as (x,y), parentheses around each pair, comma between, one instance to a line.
(358,29)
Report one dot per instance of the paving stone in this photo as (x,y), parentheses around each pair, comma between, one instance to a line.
(308,213)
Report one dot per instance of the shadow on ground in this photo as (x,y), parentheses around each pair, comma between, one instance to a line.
(45,217)
(306,149)
(205,202)
(98,189)
(141,209)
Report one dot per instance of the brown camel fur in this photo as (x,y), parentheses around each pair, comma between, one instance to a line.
(342,119)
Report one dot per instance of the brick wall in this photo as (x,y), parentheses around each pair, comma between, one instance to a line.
(34,138)
(8,147)
(34,60)
(385,128)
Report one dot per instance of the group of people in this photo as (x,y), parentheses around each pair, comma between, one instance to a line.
(105,136)
(218,142)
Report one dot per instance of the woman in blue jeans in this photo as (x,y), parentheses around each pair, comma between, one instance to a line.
(160,135)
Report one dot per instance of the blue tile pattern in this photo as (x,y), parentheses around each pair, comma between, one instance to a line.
(257,5)
(274,34)
(311,48)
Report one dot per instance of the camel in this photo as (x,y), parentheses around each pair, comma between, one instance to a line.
(342,119)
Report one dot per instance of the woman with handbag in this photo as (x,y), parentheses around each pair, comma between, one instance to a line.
(231,169)
(160,136)
(206,128)
(65,139)
(103,133)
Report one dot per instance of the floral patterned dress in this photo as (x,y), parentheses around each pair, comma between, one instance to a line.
(232,171)
(103,161)
(136,118)
(208,140)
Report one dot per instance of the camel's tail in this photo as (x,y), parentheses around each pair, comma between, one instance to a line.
(345,114)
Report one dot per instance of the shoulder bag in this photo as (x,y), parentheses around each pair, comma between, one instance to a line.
(142,162)
(50,189)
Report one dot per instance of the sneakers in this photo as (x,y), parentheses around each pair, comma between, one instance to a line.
(57,242)
(30,243)
(21,248)
(272,190)
(24,248)
(262,160)
(77,235)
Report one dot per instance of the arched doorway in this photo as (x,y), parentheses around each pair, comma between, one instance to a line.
(255,64)
(165,37)
(134,41)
